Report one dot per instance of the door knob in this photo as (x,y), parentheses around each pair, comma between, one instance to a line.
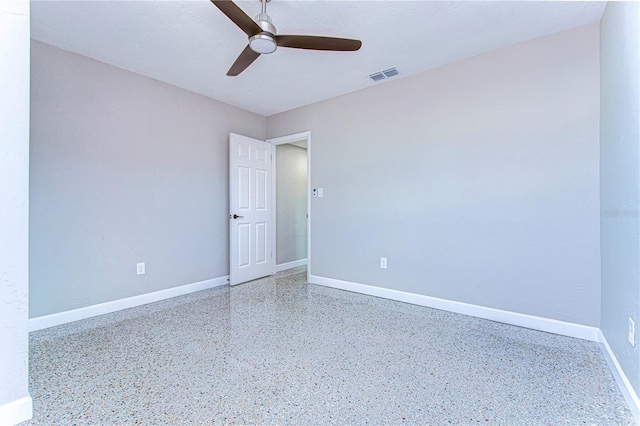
(235,216)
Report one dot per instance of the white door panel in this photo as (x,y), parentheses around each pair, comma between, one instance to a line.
(250,215)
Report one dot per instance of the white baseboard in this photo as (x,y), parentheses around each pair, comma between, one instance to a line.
(289,265)
(522,320)
(16,411)
(627,390)
(59,318)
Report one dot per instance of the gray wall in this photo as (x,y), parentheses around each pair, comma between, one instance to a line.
(124,169)
(478,180)
(15,403)
(291,203)
(619,181)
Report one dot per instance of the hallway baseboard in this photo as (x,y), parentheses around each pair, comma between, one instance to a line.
(289,265)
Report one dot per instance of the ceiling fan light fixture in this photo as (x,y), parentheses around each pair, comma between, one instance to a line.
(262,43)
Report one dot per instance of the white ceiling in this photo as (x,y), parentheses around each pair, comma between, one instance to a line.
(191,44)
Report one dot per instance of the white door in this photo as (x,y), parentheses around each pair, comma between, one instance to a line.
(250,212)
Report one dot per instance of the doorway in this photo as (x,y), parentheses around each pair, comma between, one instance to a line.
(291,188)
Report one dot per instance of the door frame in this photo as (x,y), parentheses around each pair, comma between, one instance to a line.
(282,140)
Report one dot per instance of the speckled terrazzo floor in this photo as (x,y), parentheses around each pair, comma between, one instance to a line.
(280,351)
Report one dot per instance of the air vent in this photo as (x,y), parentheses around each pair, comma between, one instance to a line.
(382,75)
(390,72)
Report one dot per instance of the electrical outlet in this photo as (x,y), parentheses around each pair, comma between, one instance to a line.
(632,333)
(383,262)
(140,268)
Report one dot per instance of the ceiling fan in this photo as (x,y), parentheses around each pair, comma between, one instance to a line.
(263,38)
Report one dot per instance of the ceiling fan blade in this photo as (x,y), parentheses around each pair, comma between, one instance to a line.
(238,17)
(318,43)
(245,59)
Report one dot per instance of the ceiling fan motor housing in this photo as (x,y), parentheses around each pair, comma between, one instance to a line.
(264,42)
(264,21)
